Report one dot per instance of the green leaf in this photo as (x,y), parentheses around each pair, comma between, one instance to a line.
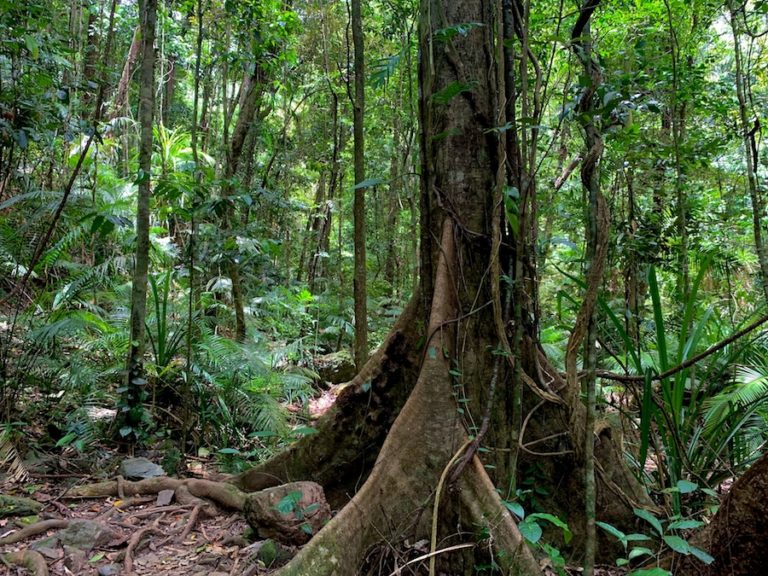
(228,451)
(530,530)
(637,537)
(262,434)
(141,177)
(288,502)
(368,183)
(461,29)
(311,508)
(567,534)
(650,518)
(638,551)
(32,46)
(451,91)
(66,440)
(677,544)
(125,431)
(305,431)
(685,524)
(658,317)
(701,555)
(686,487)
(613,531)
(656,571)
(516,508)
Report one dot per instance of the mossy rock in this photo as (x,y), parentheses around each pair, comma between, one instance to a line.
(18,506)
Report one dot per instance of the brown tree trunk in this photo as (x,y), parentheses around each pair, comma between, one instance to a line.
(121,98)
(250,92)
(749,136)
(448,361)
(736,537)
(169,90)
(360,278)
(133,396)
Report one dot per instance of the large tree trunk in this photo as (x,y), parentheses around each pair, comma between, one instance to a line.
(448,361)
(736,537)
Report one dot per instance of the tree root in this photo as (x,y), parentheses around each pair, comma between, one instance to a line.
(31,560)
(134,542)
(482,503)
(350,434)
(190,491)
(33,530)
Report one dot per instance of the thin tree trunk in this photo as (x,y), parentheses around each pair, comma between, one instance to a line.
(169,90)
(91,55)
(134,394)
(748,134)
(250,93)
(121,98)
(360,279)
(391,261)
(597,234)
(677,118)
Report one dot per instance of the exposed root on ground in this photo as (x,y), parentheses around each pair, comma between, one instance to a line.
(342,452)
(29,559)
(189,490)
(33,530)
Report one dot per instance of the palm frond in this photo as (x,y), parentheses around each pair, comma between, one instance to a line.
(750,388)
(11,463)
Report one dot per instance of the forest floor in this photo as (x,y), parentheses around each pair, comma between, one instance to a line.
(147,536)
(151,534)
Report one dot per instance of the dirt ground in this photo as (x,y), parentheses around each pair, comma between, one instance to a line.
(214,546)
(157,536)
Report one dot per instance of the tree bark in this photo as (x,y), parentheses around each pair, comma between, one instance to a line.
(360,279)
(250,93)
(736,535)
(121,98)
(448,361)
(135,379)
(748,135)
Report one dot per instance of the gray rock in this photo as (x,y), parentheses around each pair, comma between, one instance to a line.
(336,368)
(164,497)
(140,469)
(48,547)
(85,535)
(109,570)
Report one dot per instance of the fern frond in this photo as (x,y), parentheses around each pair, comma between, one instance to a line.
(55,252)
(750,387)
(11,463)
(67,324)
